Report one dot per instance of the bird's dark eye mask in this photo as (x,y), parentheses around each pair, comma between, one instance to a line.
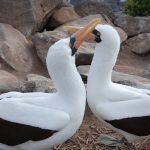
(71,44)
(97,34)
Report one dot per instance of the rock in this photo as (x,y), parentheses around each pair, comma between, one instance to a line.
(104,20)
(15,49)
(131,80)
(83,21)
(122,33)
(20,86)
(43,41)
(42,84)
(61,16)
(84,58)
(6,77)
(84,70)
(27,16)
(128,69)
(115,4)
(133,25)
(139,44)
(147,72)
(94,7)
(118,77)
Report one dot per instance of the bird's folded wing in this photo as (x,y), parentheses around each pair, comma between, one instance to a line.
(19,94)
(124,109)
(138,90)
(28,114)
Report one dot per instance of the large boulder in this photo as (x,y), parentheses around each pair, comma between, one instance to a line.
(119,77)
(42,84)
(147,72)
(92,7)
(61,16)
(6,77)
(84,55)
(19,86)
(133,25)
(27,16)
(104,20)
(43,41)
(15,49)
(139,44)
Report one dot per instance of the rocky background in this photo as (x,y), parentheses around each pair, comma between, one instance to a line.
(29,27)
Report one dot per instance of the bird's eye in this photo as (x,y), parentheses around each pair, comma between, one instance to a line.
(98,36)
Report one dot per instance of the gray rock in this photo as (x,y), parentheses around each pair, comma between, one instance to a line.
(139,44)
(133,25)
(28,16)
(118,77)
(20,86)
(6,77)
(42,84)
(92,7)
(15,50)
(147,72)
(43,41)
(131,80)
(61,16)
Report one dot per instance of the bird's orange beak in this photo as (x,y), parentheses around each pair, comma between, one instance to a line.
(81,34)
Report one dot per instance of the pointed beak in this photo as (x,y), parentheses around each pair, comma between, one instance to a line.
(81,34)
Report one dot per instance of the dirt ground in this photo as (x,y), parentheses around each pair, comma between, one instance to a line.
(87,138)
(131,63)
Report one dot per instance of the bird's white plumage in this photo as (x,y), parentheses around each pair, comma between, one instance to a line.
(37,116)
(108,100)
(62,111)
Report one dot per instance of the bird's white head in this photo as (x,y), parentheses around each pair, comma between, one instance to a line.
(109,43)
(61,64)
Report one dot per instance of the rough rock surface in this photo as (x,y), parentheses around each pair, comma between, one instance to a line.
(14,48)
(6,77)
(61,16)
(122,33)
(27,16)
(119,77)
(147,72)
(83,21)
(42,84)
(133,25)
(104,20)
(94,7)
(43,41)
(139,44)
(20,86)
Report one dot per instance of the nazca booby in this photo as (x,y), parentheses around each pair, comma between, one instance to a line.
(125,109)
(39,121)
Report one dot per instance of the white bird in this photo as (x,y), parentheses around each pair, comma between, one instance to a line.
(38,121)
(123,108)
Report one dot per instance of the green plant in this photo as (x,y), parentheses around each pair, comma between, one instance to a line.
(138,7)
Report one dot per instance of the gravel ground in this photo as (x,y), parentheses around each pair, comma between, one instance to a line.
(87,138)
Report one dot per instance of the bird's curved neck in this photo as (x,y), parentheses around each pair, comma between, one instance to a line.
(102,65)
(68,82)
